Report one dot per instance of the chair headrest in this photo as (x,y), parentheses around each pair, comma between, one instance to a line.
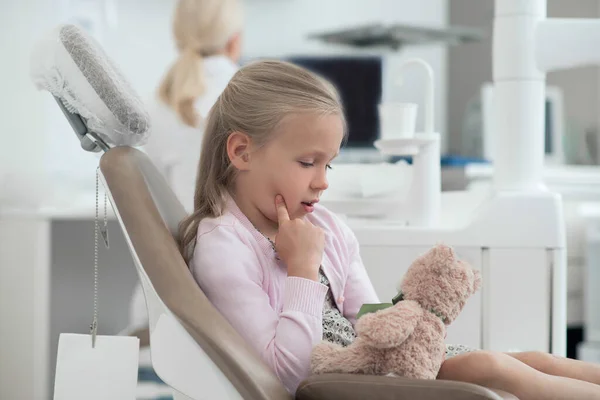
(74,68)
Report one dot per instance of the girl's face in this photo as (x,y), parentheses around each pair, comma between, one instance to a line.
(294,164)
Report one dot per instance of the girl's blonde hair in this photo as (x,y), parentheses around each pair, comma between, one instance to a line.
(254,102)
(201,28)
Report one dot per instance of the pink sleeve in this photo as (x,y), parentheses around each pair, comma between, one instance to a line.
(359,289)
(229,273)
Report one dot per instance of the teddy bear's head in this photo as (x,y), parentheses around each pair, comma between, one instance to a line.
(440,282)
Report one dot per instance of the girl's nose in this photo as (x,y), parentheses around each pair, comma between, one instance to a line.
(320,182)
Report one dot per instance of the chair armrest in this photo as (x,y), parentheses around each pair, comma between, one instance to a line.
(367,387)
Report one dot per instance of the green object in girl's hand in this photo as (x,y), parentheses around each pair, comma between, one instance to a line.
(369,308)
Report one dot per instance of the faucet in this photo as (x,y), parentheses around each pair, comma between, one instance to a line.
(424,201)
(526,45)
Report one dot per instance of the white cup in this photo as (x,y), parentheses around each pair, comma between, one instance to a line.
(397,120)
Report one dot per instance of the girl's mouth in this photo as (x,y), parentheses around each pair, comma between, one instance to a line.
(309,206)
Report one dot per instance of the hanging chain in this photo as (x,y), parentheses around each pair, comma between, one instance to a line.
(104,232)
(105,220)
(94,325)
(103,228)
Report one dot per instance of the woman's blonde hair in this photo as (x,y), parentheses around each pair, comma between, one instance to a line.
(201,28)
(254,102)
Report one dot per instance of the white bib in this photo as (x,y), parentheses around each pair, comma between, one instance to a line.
(107,371)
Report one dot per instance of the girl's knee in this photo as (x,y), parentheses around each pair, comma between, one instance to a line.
(479,367)
(487,364)
(537,359)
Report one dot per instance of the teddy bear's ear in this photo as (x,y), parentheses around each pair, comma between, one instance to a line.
(443,251)
(477,280)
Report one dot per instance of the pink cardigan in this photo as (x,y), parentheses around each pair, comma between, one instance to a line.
(280,316)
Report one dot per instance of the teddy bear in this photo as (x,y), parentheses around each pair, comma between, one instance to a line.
(406,338)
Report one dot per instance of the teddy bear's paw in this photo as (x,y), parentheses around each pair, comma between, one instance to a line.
(323,357)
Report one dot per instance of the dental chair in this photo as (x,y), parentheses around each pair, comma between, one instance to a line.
(194,350)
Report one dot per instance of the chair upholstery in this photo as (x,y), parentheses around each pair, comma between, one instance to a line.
(357,387)
(149,213)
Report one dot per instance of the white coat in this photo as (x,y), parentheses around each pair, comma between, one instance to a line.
(173,146)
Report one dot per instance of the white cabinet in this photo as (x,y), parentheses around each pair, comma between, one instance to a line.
(513,309)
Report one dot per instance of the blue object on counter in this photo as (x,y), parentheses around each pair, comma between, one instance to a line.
(459,161)
(447,160)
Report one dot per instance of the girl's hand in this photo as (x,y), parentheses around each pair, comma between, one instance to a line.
(298,243)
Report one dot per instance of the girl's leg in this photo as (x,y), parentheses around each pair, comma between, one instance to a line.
(560,366)
(501,371)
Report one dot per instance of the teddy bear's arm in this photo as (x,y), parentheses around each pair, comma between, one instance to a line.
(390,327)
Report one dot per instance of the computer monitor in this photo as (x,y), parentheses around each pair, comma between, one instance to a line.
(359,82)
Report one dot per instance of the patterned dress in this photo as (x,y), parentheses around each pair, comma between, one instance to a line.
(336,328)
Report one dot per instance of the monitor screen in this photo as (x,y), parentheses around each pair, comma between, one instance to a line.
(359,82)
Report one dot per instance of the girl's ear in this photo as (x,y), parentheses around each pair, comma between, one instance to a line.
(238,150)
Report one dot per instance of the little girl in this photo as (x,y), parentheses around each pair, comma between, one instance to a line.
(283,270)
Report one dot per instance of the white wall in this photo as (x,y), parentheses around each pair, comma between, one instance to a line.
(22,125)
(22,112)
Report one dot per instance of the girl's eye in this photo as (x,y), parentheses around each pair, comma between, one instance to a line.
(308,165)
